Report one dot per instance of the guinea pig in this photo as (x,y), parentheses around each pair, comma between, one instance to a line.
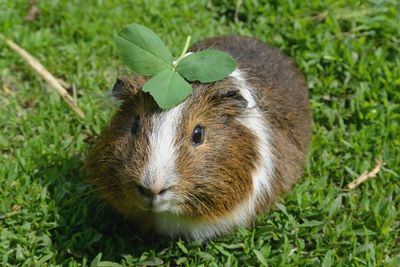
(215,161)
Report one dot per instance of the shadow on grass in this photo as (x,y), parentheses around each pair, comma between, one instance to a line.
(84,226)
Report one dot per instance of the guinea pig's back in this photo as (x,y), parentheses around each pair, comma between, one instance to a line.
(282,95)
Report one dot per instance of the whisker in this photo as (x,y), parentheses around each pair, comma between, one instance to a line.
(99,189)
(200,202)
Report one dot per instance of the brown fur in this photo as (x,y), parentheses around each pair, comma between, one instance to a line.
(216,174)
(283,95)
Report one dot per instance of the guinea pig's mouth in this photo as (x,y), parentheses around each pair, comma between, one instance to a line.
(167,203)
(165,206)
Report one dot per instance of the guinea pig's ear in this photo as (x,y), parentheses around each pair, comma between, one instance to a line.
(126,87)
(118,88)
(231,99)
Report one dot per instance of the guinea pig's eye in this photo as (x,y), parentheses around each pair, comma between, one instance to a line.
(136,125)
(198,135)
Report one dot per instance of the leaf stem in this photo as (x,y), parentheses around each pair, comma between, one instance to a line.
(185,48)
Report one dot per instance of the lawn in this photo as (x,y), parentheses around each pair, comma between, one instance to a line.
(350,54)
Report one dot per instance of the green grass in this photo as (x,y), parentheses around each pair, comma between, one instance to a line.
(350,54)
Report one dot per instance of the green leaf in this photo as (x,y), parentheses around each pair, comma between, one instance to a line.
(260,257)
(168,88)
(152,262)
(108,264)
(206,66)
(327,262)
(182,247)
(311,223)
(96,261)
(335,207)
(142,50)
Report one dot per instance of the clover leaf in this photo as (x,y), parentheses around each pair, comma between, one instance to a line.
(168,88)
(145,54)
(142,50)
(206,66)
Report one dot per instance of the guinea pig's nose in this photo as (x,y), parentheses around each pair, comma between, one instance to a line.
(150,192)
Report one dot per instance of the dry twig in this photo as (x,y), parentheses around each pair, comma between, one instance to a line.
(46,75)
(365,176)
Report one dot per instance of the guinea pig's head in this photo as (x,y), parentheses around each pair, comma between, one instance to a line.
(178,168)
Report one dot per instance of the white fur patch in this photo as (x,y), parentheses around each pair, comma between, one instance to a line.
(255,121)
(161,170)
(177,226)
